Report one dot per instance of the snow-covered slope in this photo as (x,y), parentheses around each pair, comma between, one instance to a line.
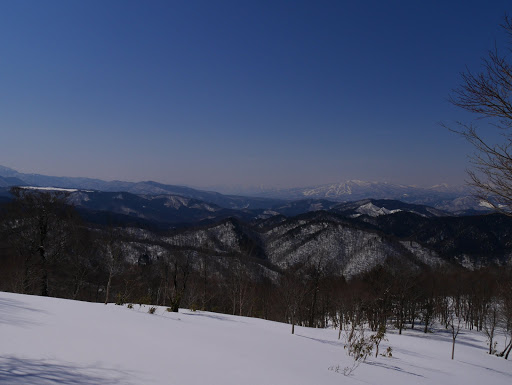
(54,341)
(343,245)
(378,207)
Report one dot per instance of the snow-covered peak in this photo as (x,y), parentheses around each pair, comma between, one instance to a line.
(373,211)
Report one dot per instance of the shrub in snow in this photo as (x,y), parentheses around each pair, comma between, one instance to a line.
(358,345)
(378,337)
(388,353)
(119,300)
(130,306)
(152,310)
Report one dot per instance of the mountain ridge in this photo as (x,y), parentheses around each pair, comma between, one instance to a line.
(145,187)
(456,199)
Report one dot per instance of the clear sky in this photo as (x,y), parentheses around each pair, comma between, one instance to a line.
(223,93)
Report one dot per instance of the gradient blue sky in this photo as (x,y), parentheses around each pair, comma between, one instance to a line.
(216,93)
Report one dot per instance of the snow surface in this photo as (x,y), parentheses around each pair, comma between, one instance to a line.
(49,188)
(54,189)
(56,341)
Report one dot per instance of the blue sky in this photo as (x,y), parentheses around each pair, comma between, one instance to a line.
(236,93)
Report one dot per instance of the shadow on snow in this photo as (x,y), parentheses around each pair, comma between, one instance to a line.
(19,371)
(17,313)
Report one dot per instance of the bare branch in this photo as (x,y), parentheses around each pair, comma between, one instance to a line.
(488,94)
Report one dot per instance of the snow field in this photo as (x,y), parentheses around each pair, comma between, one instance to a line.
(56,341)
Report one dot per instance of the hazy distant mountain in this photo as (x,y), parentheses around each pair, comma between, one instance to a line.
(148,188)
(357,189)
(10,181)
(457,200)
(167,210)
(159,211)
(293,208)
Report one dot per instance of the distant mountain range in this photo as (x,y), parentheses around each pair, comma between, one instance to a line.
(276,232)
(457,200)
(170,211)
(10,177)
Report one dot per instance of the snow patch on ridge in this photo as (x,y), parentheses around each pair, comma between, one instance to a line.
(374,211)
(50,189)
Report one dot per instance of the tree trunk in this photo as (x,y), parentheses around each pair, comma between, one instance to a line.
(26,272)
(107,294)
(97,298)
(509,349)
(166,284)
(453,348)
(43,231)
(313,306)
(44,278)
(76,289)
(240,298)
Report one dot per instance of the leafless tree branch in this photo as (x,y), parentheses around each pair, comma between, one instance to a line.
(488,94)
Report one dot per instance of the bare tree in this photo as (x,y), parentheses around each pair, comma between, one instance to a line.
(454,321)
(38,226)
(293,290)
(81,256)
(491,318)
(238,282)
(488,94)
(315,271)
(178,269)
(506,314)
(113,259)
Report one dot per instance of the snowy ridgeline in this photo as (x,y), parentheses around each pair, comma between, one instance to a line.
(55,341)
(350,251)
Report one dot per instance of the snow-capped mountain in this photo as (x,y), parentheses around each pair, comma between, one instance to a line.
(378,207)
(167,210)
(443,197)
